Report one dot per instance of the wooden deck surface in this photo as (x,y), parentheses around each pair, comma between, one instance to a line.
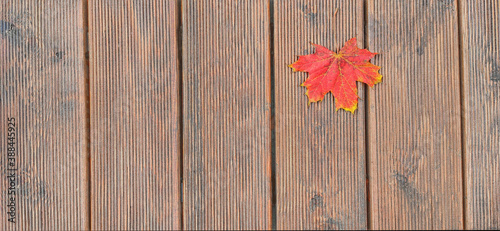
(184,114)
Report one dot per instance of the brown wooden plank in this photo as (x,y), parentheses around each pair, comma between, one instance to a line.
(42,87)
(135,136)
(226,104)
(481,100)
(414,135)
(320,153)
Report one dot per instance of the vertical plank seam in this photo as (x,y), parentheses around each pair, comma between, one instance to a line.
(181,111)
(367,109)
(272,122)
(462,114)
(87,164)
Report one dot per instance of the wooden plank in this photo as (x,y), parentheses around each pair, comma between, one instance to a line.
(135,135)
(226,109)
(320,153)
(42,88)
(415,170)
(481,100)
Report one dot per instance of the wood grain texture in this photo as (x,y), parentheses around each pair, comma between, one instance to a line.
(481,100)
(42,86)
(415,170)
(135,135)
(320,153)
(226,109)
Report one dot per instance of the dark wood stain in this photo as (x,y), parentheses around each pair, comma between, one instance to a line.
(316,202)
(5,27)
(495,73)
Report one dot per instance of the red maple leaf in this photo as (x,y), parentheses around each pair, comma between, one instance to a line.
(338,73)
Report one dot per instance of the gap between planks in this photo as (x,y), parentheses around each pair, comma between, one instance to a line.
(462,112)
(86,71)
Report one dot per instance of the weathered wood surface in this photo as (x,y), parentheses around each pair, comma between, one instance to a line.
(320,153)
(481,100)
(414,133)
(412,138)
(42,86)
(226,114)
(135,124)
